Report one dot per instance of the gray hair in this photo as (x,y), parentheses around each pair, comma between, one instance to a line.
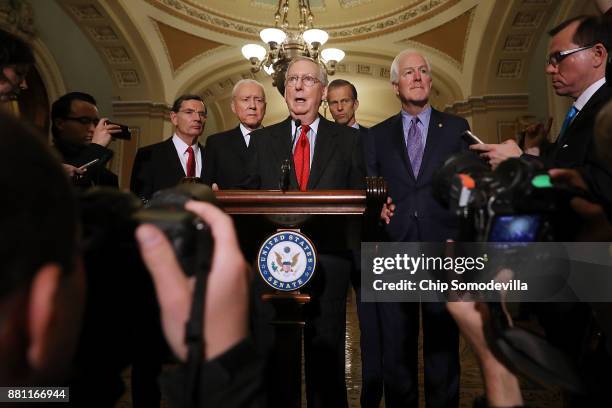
(322,73)
(395,64)
(247,81)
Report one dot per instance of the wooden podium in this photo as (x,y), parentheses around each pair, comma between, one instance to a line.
(257,214)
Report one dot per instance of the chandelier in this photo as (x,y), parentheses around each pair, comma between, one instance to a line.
(284,45)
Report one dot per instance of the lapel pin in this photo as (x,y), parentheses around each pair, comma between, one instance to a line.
(439,125)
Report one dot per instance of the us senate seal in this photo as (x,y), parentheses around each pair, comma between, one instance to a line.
(286,260)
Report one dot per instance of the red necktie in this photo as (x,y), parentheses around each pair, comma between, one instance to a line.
(191,165)
(301,158)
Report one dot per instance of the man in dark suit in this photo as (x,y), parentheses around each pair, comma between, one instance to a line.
(325,156)
(227,152)
(343,104)
(576,63)
(408,148)
(80,135)
(163,165)
(156,167)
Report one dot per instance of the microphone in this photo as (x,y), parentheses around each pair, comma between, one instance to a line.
(286,165)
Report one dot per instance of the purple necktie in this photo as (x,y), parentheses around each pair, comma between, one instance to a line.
(415,146)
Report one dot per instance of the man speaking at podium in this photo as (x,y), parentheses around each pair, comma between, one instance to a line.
(322,156)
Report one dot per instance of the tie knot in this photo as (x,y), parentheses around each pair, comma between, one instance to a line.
(189,150)
(305,128)
(414,121)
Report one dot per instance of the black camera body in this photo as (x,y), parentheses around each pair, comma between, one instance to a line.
(110,217)
(518,202)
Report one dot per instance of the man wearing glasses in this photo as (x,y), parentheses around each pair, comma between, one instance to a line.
(163,165)
(577,68)
(323,156)
(82,137)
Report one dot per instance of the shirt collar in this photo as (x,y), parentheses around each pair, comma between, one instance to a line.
(423,116)
(314,126)
(245,130)
(588,93)
(355,125)
(181,146)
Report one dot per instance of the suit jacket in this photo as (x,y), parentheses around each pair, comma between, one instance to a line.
(578,149)
(418,215)
(226,159)
(337,162)
(157,167)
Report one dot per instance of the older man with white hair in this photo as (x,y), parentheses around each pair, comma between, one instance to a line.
(227,152)
(408,148)
(323,156)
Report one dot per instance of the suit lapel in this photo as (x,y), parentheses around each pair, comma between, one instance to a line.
(173,159)
(400,143)
(324,148)
(281,140)
(201,159)
(238,140)
(434,138)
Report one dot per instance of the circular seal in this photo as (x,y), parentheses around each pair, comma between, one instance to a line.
(286,260)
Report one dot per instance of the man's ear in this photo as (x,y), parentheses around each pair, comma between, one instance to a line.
(41,311)
(233,106)
(395,88)
(356,104)
(324,97)
(173,118)
(600,55)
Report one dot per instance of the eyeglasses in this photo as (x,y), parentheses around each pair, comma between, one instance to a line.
(555,58)
(84,120)
(307,80)
(190,112)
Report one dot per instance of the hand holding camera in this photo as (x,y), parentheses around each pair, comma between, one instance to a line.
(226,298)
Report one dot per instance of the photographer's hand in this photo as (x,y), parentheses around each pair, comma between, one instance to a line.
(227,294)
(497,153)
(103,133)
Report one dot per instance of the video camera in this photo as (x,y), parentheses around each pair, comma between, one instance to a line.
(518,202)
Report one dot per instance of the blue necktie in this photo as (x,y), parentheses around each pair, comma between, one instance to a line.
(568,119)
(415,146)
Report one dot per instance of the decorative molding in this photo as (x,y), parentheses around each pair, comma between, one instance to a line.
(528,19)
(86,12)
(353,3)
(117,55)
(397,20)
(127,78)
(141,108)
(509,68)
(488,103)
(103,33)
(517,43)
(18,16)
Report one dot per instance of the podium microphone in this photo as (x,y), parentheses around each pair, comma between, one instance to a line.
(286,165)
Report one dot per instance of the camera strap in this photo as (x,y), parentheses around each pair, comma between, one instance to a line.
(194,330)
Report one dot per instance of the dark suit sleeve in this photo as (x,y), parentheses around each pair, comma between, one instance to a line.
(358,170)
(232,380)
(140,182)
(209,166)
